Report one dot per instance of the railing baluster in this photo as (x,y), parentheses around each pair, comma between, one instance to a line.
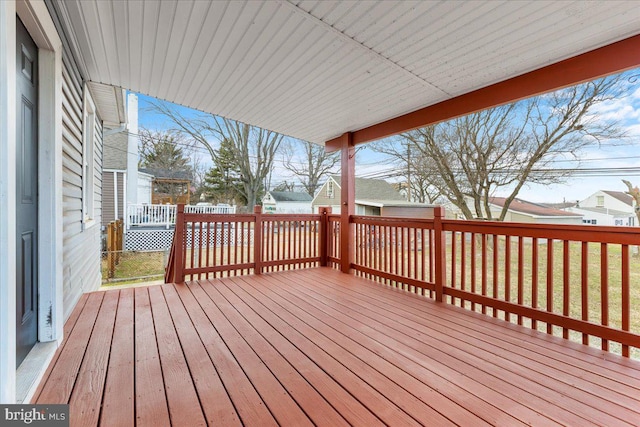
(507,275)
(565,284)
(604,290)
(463,262)
(534,279)
(454,254)
(473,268)
(626,302)
(484,270)
(584,272)
(549,282)
(495,271)
(520,275)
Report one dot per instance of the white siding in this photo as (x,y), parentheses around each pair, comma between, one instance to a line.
(609,202)
(81,247)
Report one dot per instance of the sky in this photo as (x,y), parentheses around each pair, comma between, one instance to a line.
(624,154)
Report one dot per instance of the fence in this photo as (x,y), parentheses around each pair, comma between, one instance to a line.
(208,246)
(165,215)
(114,246)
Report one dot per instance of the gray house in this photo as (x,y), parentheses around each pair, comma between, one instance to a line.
(51,150)
(122,183)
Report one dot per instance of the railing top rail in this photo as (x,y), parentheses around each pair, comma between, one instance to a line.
(585,233)
(426,223)
(212,217)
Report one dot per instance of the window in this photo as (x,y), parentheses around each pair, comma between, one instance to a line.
(599,201)
(330,189)
(88,159)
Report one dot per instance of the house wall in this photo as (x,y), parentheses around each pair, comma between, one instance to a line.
(294,207)
(109,196)
(322,198)
(602,218)
(144,189)
(406,212)
(81,240)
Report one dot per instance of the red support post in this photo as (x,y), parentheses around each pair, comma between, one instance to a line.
(257,240)
(440,252)
(324,235)
(347,198)
(179,242)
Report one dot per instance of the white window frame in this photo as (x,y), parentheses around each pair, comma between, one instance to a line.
(330,189)
(88,158)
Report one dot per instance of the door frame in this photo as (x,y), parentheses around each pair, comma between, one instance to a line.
(36,18)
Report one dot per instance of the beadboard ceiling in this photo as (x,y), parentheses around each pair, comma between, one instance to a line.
(316,69)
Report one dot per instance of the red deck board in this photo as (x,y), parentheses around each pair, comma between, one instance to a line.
(60,383)
(431,401)
(213,397)
(248,403)
(310,401)
(118,404)
(387,345)
(586,395)
(151,400)
(320,347)
(68,327)
(87,391)
(178,383)
(284,409)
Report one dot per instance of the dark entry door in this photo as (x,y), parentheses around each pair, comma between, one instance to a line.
(26,193)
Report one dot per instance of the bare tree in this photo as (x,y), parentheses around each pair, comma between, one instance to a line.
(309,162)
(253,148)
(508,146)
(635,193)
(419,171)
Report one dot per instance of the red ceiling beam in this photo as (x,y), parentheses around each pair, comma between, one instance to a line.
(610,59)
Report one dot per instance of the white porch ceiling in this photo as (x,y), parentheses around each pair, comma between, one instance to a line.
(316,69)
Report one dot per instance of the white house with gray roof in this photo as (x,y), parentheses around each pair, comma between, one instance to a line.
(286,202)
(605,207)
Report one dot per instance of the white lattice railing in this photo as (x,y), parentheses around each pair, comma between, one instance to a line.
(165,215)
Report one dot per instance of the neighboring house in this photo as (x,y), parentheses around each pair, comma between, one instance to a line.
(375,197)
(529,212)
(51,150)
(286,202)
(604,216)
(122,183)
(616,200)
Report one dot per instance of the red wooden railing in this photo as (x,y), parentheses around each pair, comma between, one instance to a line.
(578,282)
(216,245)
(567,280)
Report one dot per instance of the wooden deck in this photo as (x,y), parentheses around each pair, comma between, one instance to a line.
(320,347)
